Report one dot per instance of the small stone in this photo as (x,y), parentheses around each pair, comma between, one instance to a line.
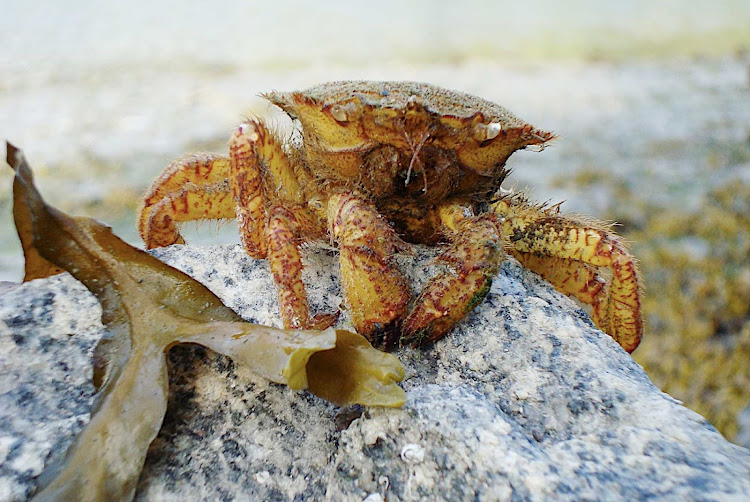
(263,477)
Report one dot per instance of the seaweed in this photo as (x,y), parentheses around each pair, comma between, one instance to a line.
(698,267)
(148,307)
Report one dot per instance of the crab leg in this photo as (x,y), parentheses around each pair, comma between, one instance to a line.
(567,276)
(474,258)
(260,165)
(247,187)
(568,253)
(192,187)
(375,290)
(282,233)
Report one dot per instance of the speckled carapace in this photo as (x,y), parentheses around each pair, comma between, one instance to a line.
(377,165)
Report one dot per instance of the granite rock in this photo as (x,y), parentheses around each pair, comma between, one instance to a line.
(525,400)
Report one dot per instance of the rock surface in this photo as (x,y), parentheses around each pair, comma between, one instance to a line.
(525,400)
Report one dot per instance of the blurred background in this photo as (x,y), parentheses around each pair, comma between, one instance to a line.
(650,99)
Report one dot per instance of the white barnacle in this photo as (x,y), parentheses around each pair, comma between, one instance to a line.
(384,482)
(412,453)
(371,436)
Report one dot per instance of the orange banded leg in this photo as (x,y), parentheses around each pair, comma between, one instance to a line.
(554,246)
(282,232)
(568,276)
(259,165)
(247,188)
(192,187)
(375,289)
(474,257)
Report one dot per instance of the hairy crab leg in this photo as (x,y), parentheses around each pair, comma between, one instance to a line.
(260,165)
(247,188)
(557,242)
(375,289)
(261,171)
(567,276)
(474,257)
(191,188)
(282,233)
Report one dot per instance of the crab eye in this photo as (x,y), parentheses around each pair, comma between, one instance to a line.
(493,129)
(338,112)
(485,132)
(347,112)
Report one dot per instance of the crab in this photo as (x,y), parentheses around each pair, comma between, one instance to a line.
(374,167)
